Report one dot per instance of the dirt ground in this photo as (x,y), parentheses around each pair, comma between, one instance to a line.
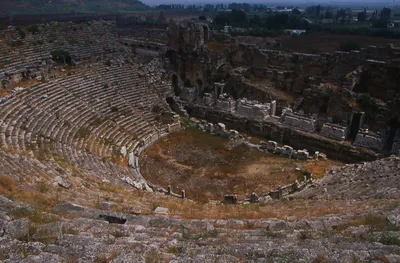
(198,163)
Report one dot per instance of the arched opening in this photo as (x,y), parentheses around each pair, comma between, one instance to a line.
(199,83)
(172,56)
(188,110)
(355,125)
(362,85)
(394,125)
(170,102)
(205,29)
(324,106)
(175,85)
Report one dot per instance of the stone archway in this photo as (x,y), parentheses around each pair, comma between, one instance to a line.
(175,84)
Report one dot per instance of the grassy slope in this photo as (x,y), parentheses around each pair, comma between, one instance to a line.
(69,6)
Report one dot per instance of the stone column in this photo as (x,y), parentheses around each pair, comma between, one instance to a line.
(273,108)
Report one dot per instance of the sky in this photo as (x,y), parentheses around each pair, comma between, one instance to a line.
(156,2)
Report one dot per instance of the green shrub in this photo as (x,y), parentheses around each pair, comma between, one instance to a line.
(367,102)
(82,132)
(219,76)
(61,56)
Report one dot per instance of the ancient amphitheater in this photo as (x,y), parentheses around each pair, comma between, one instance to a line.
(104,158)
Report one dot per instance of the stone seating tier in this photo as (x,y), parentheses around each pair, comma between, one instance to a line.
(84,118)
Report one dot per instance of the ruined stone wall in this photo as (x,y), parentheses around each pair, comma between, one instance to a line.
(382,79)
(325,86)
(189,35)
(298,121)
(370,140)
(273,130)
(334,131)
(238,88)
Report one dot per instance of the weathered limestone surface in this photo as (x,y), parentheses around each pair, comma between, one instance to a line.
(298,121)
(369,140)
(334,131)
(225,103)
(253,109)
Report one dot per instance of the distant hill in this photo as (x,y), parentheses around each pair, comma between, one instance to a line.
(70,6)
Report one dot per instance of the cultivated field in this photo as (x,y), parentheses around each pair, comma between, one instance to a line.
(322,42)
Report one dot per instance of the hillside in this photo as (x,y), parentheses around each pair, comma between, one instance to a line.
(69,6)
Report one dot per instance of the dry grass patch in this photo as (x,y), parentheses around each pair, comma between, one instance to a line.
(4,93)
(7,185)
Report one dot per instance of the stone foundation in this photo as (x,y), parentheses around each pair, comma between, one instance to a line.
(276,131)
(370,140)
(298,121)
(334,131)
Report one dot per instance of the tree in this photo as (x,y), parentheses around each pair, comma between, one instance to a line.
(238,16)
(379,23)
(296,11)
(362,16)
(341,14)
(255,21)
(385,13)
(328,14)
(61,56)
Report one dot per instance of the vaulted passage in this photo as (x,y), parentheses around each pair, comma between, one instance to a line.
(355,125)
(394,125)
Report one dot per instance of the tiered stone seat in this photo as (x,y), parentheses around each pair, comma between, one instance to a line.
(377,179)
(31,54)
(84,118)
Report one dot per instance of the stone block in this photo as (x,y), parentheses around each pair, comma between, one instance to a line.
(233,134)
(271,146)
(123,151)
(220,130)
(209,127)
(334,131)
(131,160)
(161,211)
(369,140)
(287,150)
(302,155)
